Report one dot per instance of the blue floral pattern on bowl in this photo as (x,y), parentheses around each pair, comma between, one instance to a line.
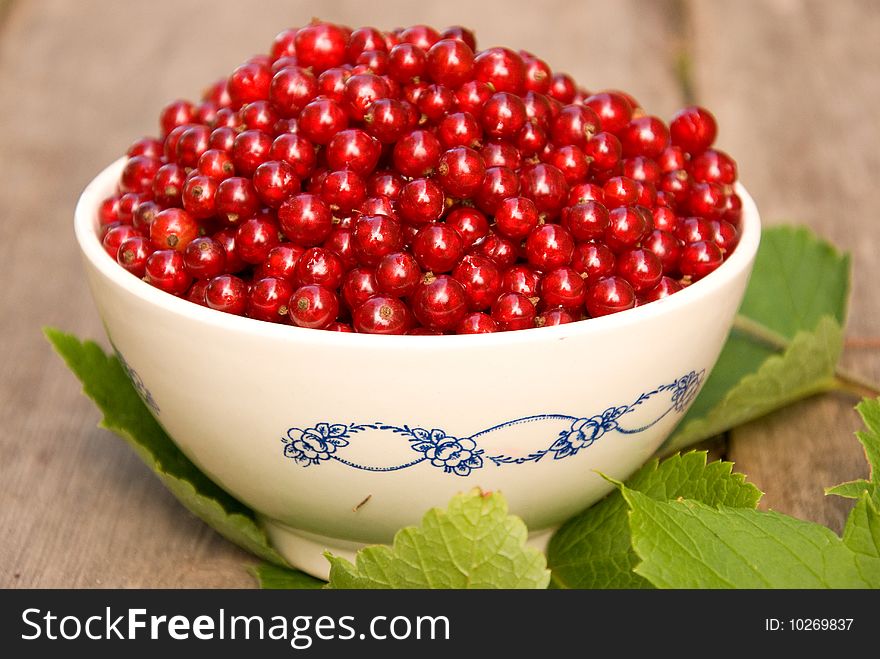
(138,384)
(460,456)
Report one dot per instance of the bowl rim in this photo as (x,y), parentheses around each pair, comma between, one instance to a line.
(86,225)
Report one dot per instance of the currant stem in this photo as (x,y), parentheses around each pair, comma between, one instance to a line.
(844,380)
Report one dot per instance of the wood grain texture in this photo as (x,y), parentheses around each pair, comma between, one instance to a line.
(81,80)
(794,86)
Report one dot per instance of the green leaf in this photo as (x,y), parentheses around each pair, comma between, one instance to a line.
(687,544)
(105,382)
(473,543)
(869,410)
(593,549)
(786,340)
(862,536)
(273,577)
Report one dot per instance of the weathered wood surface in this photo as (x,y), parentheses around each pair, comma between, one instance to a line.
(80,80)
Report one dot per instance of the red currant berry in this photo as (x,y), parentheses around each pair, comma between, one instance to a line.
(626,228)
(437,248)
(374,236)
(321,119)
(694,230)
(128,205)
(498,184)
(258,115)
(222,138)
(460,172)
(575,125)
(434,102)
(165,270)
(620,191)
(676,185)
(504,115)
(364,38)
(481,280)
(604,150)
(417,153)
(501,68)
(204,258)
(460,33)
(699,259)
(385,184)
(472,96)
(305,219)
(571,161)
(665,288)
(173,229)
(133,253)
(501,154)
(361,91)
(724,234)
(336,326)
(671,159)
(398,274)
(421,201)
(501,250)
(280,263)
(268,300)
(644,136)
(562,88)
(593,261)
(108,212)
(439,303)
(513,311)
(545,185)
(250,150)
(665,247)
(641,268)
(477,323)
(343,190)
(274,181)
(470,223)
(321,267)
(192,144)
(386,120)
(406,63)
(549,246)
(176,113)
(116,236)
(236,199)
(313,307)
(581,192)
(249,82)
(199,195)
(693,129)
(321,46)
(516,217)
(358,286)
(586,221)
(713,166)
(138,174)
(226,237)
(613,110)
(255,238)
(420,35)
(196,293)
(609,295)
(381,315)
(450,62)
(563,287)
(216,164)
(291,90)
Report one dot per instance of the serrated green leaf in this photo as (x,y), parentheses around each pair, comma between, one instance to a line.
(105,382)
(869,410)
(687,544)
(593,549)
(804,369)
(473,543)
(797,294)
(862,536)
(273,577)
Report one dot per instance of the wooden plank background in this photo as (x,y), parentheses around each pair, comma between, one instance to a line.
(794,86)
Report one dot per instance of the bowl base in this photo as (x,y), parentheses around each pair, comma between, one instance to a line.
(305,551)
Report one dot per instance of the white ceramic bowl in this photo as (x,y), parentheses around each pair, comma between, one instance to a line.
(337,440)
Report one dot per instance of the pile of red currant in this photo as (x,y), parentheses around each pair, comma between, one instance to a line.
(404,182)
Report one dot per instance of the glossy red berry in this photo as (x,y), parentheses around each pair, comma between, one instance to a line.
(620,191)
(291,90)
(250,150)
(437,248)
(609,295)
(199,195)
(699,259)
(226,237)
(563,287)
(586,221)
(385,184)
(472,96)
(499,153)
(343,190)
(693,129)
(116,236)
(626,228)
(269,298)
(644,136)
(640,268)
(305,219)
(665,288)
(227,293)
(513,311)
(216,164)
(361,91)
(439,303)
(386,120)
(516,217)
(358,286)
(313,307)
(481,280)
(204,258)
(375,236)
(713,166)
(192,144)
(249,82)
(549,246)
(274,181)
(320,266)
(504,115)
(665,247)
(562,88)
(450,62)
(470,223)
(173,229)
(460,171)
(553,317)
(694,230)
(421,201)
(280,262)
(177,113)
(321,119)
(477,323)
(236,199)
(138,174)
(165,270)
(724,234)
(397,274)
(381,315)
(132,254)
(501,250)
(593,260)
(522,279)
(571,161)
(255,238)
(417,153)
(546,186)
(321,46)
(575,125)
(501,68)
(406,62)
